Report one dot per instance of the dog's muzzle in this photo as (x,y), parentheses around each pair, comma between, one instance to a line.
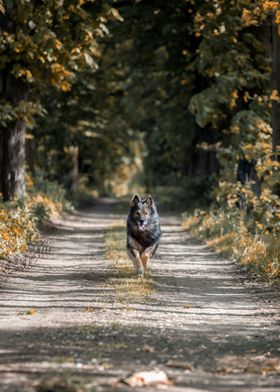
(142,225)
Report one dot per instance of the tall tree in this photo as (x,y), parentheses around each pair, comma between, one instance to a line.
(276,83)
(42,44)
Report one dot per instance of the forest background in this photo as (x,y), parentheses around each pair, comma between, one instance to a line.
(180,99)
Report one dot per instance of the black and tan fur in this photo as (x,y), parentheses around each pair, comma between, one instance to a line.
(143,232)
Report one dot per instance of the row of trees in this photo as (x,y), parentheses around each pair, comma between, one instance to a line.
(189,90)
(44,46)
(238,61)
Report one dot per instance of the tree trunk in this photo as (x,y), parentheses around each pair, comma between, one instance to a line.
(30,155)
(73,161)
(12,147)
(276,85)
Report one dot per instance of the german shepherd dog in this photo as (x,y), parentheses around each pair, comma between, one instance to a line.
(143,232)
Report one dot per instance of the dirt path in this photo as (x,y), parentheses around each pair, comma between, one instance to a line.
(207,326)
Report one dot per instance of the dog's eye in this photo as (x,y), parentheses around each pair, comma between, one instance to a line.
(138,213)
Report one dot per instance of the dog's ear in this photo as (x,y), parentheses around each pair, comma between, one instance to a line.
(136,199)
(150,201)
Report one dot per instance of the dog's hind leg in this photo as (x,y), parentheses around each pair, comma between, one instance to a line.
(135,257)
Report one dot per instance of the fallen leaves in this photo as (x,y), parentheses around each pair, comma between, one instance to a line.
(191,306)
(148,349)
(188,306)
(30,312)
(141,379)
(259,364)
(89,309)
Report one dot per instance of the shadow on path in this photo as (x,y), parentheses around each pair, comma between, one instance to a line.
(60,314)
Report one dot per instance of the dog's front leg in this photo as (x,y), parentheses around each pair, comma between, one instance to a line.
(147,254)
(135,257)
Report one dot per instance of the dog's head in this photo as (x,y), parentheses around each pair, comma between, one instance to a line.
(142,212)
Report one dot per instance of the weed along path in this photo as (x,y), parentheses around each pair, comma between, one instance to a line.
(77,320)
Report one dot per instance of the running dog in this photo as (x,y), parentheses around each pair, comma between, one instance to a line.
(143,232)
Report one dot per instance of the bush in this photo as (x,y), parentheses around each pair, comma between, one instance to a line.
(20,220)
(17,227)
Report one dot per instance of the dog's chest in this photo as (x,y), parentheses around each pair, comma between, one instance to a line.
(134,244)
(141,242)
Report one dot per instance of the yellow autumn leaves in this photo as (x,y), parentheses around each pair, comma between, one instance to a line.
(18,222)
(61,77)
(17,227)
(252,16)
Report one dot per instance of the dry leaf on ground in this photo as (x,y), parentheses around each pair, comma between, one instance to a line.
(29,312)
(148,349)
(89,309)
(141,379)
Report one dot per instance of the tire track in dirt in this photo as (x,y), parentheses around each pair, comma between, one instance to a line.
(207,326)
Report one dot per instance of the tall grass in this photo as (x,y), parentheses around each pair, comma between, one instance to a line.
(226,232)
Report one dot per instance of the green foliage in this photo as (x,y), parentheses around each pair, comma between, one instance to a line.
(235,103)
(84,196)
(194,193)
(50,41)
(46,44)
(221,74)
(140,98)
(46,200)
(52,189)
(40,213)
